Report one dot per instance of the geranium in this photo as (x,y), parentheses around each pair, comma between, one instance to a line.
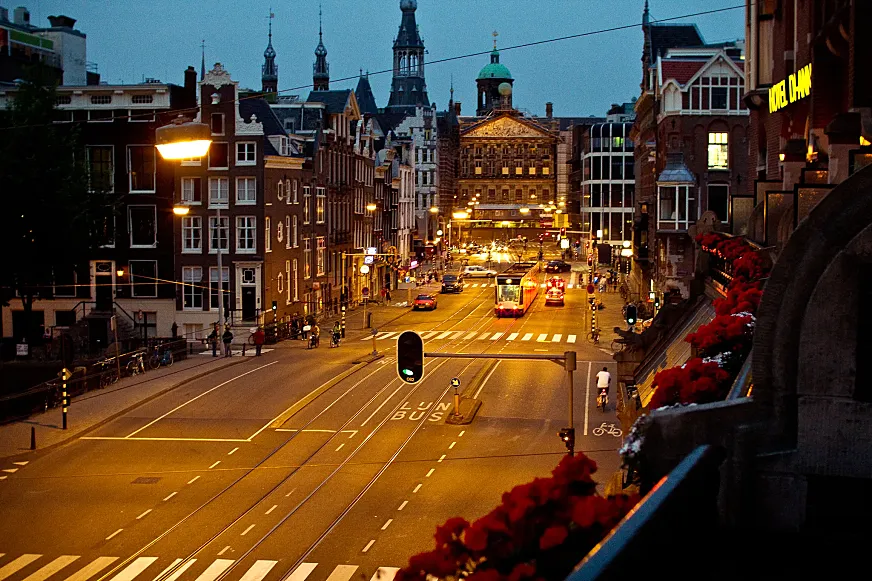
(696,381)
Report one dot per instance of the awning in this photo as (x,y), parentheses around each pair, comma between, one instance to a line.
(675,351)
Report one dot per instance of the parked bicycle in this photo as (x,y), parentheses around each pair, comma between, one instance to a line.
(161,355)
(136,365)
(107,370)
(53,396)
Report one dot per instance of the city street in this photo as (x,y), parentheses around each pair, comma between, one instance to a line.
(301,463)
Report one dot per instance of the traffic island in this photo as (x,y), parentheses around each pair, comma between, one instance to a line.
(467,410)
(368,358)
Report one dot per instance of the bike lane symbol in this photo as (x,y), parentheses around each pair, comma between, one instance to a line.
(608,428)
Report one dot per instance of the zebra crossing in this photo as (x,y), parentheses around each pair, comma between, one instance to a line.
(486,336)
(488,285)
(38,567)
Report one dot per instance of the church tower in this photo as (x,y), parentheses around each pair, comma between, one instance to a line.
(489,79)
(269,76)
(408,87)
(321,70)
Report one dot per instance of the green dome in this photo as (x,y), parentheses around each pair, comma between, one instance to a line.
(494,70)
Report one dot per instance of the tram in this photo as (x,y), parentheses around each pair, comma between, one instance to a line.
(516,289)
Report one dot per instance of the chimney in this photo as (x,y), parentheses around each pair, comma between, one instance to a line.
(21,16)
(61,21)
(190,92)
(4,14)
(457,108)
(549,110)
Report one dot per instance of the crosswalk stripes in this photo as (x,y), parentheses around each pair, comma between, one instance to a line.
(482,336)
(139,569)
(512,337)
(496,336)
(543,337)
(445,334)
(527,336)
(441,335)
(570,338)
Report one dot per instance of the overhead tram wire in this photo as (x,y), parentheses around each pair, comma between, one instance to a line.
(430,63)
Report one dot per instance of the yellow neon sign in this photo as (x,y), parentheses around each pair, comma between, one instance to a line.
(795,87)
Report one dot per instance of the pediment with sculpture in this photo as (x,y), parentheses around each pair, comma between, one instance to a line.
(506,127)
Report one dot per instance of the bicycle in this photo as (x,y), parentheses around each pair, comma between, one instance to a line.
(602,400)
(158,357)
(608,428)
(107,372)
(593,336)
(53,396)
(617,345)
(136,365)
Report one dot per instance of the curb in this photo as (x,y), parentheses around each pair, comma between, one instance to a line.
(466,415)
(99,424)
(368,359)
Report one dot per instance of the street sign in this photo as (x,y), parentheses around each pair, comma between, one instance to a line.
(374,331)
(368,259)
(372,250)
(591,289)
(455,382)
(365,291)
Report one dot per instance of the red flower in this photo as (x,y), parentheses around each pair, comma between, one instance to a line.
(475,538)
(522,571)
(485,575)
(552,537)
(450,531)
(584,512)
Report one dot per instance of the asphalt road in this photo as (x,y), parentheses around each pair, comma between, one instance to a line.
(301,465)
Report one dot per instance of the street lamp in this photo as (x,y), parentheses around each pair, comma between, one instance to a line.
(434,210)
(371,207)
(181,210)
(183,139)
(524,210)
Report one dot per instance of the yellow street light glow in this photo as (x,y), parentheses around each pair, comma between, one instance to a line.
(460,215)
(434,210)
(505,222)
(181,210)
(524,210)
(562,204)
(558,211)
(371,207)
(183,139)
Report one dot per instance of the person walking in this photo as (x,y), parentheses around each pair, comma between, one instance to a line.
(213,340)
(259,338)
(388,294)
(227,338)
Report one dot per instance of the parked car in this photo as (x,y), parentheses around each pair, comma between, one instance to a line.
(478,271)
(452,283)
(424,302)
(558,266)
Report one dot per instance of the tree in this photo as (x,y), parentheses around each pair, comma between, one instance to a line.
(50,211)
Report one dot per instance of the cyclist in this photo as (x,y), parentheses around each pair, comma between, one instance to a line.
(603,381)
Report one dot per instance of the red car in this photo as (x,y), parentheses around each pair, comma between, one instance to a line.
(424,302)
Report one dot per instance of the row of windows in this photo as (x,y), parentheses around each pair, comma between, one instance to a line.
(678,206)
(718,93)
(506,149)
(219,155)
(609,167)
(140,168)
(495,169)
(219,234)
(219,191)
(506,194)
(287,232)
(104,115)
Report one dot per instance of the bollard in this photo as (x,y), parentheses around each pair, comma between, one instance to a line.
(343,321)
(243,349)
(33,437)
(456,403)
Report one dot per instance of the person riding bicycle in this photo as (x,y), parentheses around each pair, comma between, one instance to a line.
(316,335)
(336,333)
(603,381)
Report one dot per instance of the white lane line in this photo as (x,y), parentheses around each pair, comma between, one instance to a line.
(496,336)
(214,570)
(22,463)
(546,350)
(245,532)
(387,524)
(441,459)
(230,453)
(512,337)
(457,334)
(275,506)
(385,574)
(483,383)
(140,517)
(402,506)
(301,572)
(48,570)
(193,480)
(543,338)
(113,534)
(570,338)
(92,568)
(170,496)
(144,439)
(19,563)
(351,435)
(444,335)
(387,399)
(417,488)
(342,572)
(368,545)
(464,431)
(586,396)
(483,336)
(556,338)
(259,570)
(428,334)
(293,490)
(224,550)
(215,464)
(135,568)
(340,446)
(452,445)
(527,336)
(3,477)
(432,470)
(10,470)
(470,335)
(181,570)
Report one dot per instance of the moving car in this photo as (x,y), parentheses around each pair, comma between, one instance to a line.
(452,283)
(478,271)
(424,302)
(558,266)
(554,296)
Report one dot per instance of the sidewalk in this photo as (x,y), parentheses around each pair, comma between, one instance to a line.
(609,317)
(95,408)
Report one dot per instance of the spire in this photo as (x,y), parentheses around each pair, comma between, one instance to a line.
(495,54)
(408,87)
(451,98)
(645,15)
(269,77)
(203,59)
(321,70)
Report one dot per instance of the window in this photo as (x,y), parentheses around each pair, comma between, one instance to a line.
(267,233)
(100,170)
(307,258)
(321,253)
(245,153)
(280,283)
(477,167)
(294,192)
(306,199)
(192,294)
(280,191)
(287,232)
(104,115)
(219,154)
(546,170)
(293,233)
(718,151)
(217,124)
(101,99)
(65,282)
(191,191)
(320,200)
(218,193)
(532,170)
(505,170)
(719,200)
(141,115)
(719,97)
(296,294)
(245,235)
(192,234)
(143,278)
(677,207)
(141,99)
(140,168)
(213,287)
(142,226)
(246,191)
(219,234)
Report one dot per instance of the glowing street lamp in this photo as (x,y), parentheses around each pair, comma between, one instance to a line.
(524,210)
(460,215)
(183,139)
(434,210)
(371,207)
(181,210)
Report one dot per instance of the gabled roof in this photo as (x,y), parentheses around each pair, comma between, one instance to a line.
(666,36)
(389,121)
(365,97)
(336,101)
(680,71)
(264,113)
(506,125)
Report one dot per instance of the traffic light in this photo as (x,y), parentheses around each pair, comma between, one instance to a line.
(631,314)
(410,357)
(275,306)
(568,437)
(563,232)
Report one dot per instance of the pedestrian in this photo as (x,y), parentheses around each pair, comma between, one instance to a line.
(213,340)
(227,337)
(388,294)
(259,338)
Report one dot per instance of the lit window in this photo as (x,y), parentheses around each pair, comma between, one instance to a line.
(267,232)
(718,151)
(320,256)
